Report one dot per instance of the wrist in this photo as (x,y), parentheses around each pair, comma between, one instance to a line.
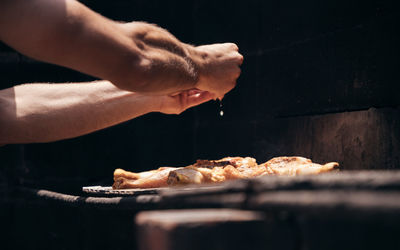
(153,103)
(198,59)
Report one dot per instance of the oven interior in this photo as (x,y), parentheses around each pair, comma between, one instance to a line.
(319,80)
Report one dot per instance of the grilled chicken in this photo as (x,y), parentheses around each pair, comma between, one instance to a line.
(214,171)
(203,171)
(148,179)
(296,165)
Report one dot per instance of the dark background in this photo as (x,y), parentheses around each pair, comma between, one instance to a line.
(320,79)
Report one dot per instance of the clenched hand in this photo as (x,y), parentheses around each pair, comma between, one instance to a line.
(218,67)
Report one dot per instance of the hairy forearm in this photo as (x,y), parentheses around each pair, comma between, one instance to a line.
(134,56)
(66,33)
(49,112)
(166,65)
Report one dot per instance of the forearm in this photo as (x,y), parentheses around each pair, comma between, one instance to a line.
(64,32)
(137,57)
(49,112)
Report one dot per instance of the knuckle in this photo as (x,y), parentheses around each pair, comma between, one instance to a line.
(234,47)
(241,58)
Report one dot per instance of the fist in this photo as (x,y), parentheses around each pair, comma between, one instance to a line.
(218,66)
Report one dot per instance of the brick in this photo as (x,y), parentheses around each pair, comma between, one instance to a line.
(357,140)
(348,233)
(382,180)
(200,229)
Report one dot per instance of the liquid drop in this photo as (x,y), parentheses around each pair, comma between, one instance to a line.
(221,112)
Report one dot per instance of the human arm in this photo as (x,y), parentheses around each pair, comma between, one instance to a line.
(134,56)
(48,112)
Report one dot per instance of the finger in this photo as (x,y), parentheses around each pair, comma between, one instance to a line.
(175,93)
(194,91)
(220,97)
(232,46)
(184,98)
(189,92)
(236,57)
(240,58)
(237,73)
(198,99)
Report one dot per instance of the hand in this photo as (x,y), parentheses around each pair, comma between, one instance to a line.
(218,67)
(179,102)
(164,65)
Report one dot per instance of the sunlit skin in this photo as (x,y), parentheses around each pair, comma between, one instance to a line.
(145,68)
(49,112)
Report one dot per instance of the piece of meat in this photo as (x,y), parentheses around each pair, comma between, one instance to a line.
(247,168)
(233,168)
(185,176)
(295,165)
(233,161)
(192,175)
(147,179)
(214,171)
(203,171)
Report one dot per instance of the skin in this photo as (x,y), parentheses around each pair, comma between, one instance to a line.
(60,111)
(134,56)
(146,69)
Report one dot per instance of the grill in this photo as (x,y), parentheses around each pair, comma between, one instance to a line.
(318,81)
(351,210)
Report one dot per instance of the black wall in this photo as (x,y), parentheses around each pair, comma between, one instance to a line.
(320,79)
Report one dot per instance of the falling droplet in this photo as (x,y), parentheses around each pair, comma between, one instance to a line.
(221,112)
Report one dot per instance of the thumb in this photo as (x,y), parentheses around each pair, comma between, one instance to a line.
(198,98)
